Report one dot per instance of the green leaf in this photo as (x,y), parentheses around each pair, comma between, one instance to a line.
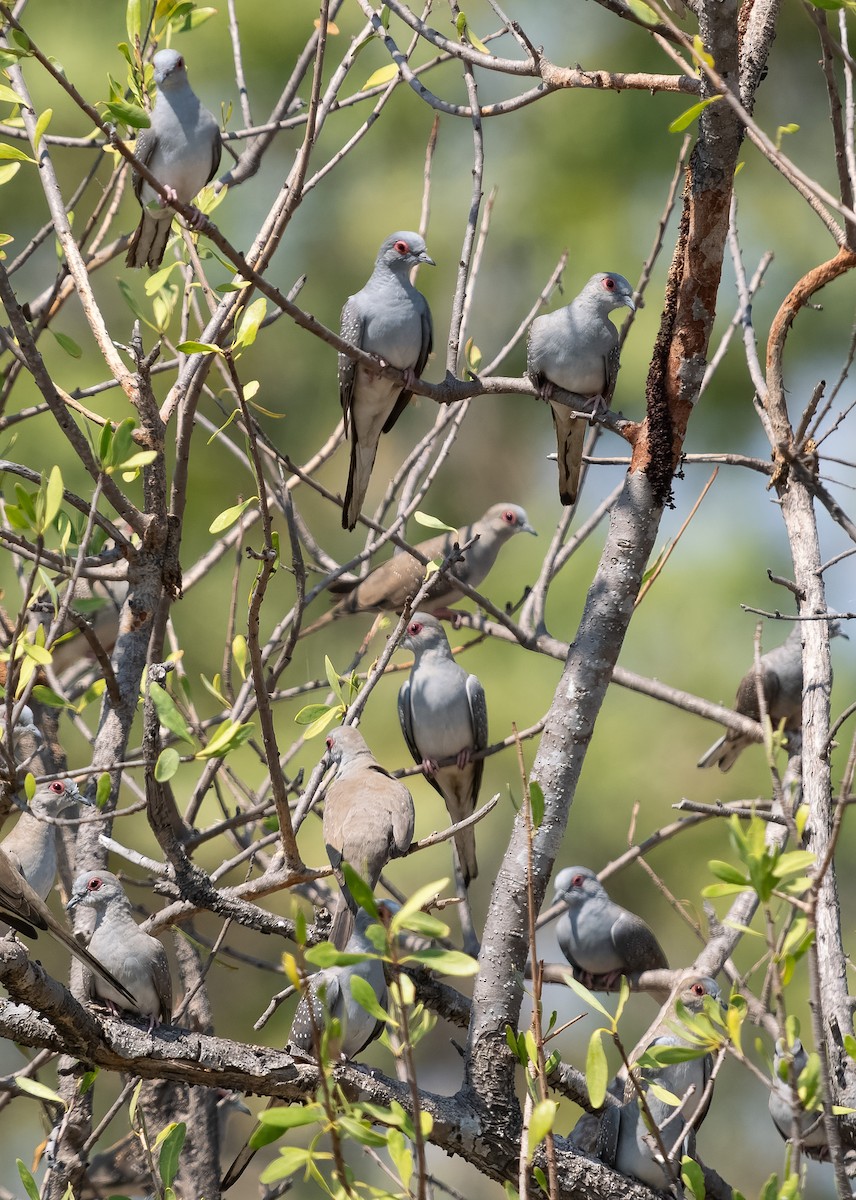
(230,515)
(693,1177)
(167,764)
(248,326)
(13,154)
(126,113)
(49,698)
(584,994)
(199,348)
(364,994)
(40,1090)
(446,962)
(686,118)
(726,872)
(642,12)
(69,345)
(380,77)
(103,789)
(172,1139)
(430,522)
(414,904)
(26,1178)
(53,495)
(291,1116)
(714,890)
(291,1159)
(191,17)
(536,803)
(829,5)
(132,20)
(41,125)
(540,1124)
(168,713)
(850,1045)
(8,96)
(402,1158)
(360,890)
(317,717)
(541,1180)
(663,1094)
(597,1071)
(228,736)
(8,173)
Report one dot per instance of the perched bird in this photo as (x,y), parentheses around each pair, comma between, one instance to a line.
(388,587)
(368,819)
(134,957)
(782,686)
(329,995)
(443,714)
(32,844)
(181,148)
(390,318)
(625,1142)
(787,1110)
(601,940)
(576,348)
(28,870)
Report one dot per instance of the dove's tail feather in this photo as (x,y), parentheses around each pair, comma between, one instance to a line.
(147,246)
(723,753)
(362,460)
(570,441)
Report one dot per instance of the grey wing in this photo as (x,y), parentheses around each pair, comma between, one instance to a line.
(352,328)
(636,944)
(747,693)
(419,366)
(610,366)
(478,724)
(216,152)
(405,717)
(163,984)
(144,148)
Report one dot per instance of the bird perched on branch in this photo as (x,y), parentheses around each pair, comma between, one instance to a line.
(443,714)
(368,819)
(786,1108)
(625,1141)
(181,148)
(390,318)
(28,859)
(576,348)
(781,678)
(131,955)
(601,940)
(389,586)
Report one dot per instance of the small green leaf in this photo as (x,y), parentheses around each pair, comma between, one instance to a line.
(8,96)
(693,1177)
(53,495)
(536,802)
(541,1180)
(380,77)
(167,764)
(228,736)
(402,1158)
(430,522)
(40,1090)
(41,126)
(199,348)
(597,1071)
(364,994)
(291,1116)
(230,515)
(316,717)
(686,118)
(172,1139)
(360,890)
(540,1124)
(726,872)
(240,653)
(132,20)
(69,345)
(642,12)
(126,113)
(168,713)
(446,962)
(585,995)
(26,1178)
(13,154)
(248,326)
(49,698)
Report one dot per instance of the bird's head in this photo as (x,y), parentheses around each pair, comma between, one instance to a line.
(95,889)
(575,885)
(404,250)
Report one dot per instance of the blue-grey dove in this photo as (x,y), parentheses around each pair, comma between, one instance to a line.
(601,940)
(785,1105)
(443,714)
(329,994)
(28,860)
(135,958)
(390,318)
(368,819)
(330,998)
(576,348)
(181,148)
(26,724)
(625,1142)
(782,687)
(389,586)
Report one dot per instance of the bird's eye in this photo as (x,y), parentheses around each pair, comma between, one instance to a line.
(415,627)
(578,881)
(180,63)
(329,743)
(94,885)
(58,788)
(609,283)
(510,516)
(698,989)
(401,246)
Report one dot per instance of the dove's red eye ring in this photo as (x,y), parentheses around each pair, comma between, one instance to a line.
(401,246)
(95,884)
(58,787)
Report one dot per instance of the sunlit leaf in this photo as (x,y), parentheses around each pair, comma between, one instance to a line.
(597,1070)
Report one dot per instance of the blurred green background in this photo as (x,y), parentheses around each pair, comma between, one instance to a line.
(586,170)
